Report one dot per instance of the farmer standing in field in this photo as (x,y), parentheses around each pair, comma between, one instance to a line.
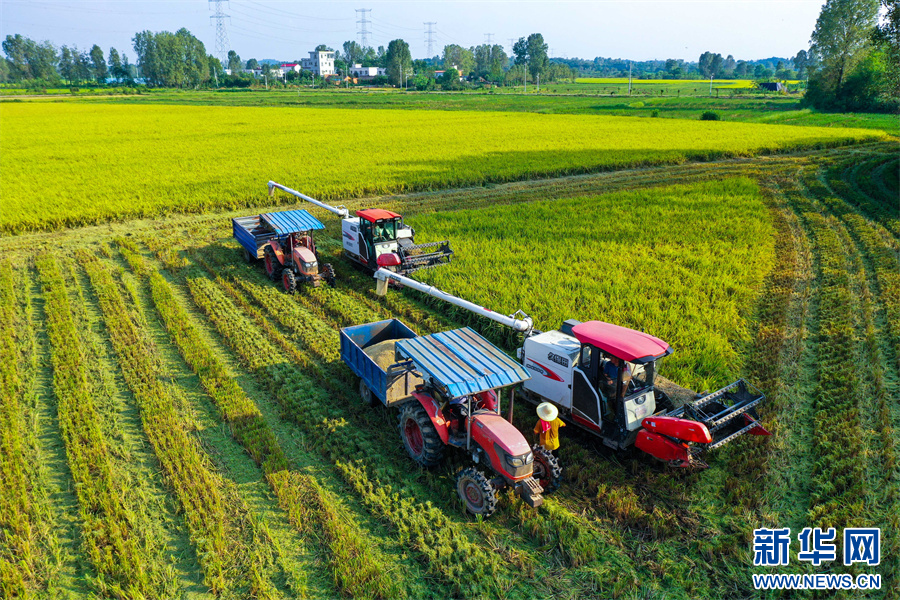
(547,428)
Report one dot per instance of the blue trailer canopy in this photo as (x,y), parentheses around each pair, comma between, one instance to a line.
(462,361)
(291,221)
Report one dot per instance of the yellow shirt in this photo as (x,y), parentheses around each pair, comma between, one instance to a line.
(550,438)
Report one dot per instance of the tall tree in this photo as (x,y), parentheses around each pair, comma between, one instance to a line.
(532,52)
(353,52)
(115,65)
(67,64)
(234,62)
(887,36)
(841,39)
(398,61)
(252,64)
(462,59)
(29,59)
(98,63)
(710,64)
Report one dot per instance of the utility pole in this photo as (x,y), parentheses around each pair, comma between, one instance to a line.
(221,32)
(629,78)
(363,27)
(710,85)
(429,37)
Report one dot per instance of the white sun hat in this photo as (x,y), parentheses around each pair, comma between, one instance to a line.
(547,411)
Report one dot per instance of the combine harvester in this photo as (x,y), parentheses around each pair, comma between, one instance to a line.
(568,367)
(446,388)
(375,234)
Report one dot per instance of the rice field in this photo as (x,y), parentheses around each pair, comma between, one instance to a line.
(78,163)
(175,426)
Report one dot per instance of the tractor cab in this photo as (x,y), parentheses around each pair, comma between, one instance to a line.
(600,375)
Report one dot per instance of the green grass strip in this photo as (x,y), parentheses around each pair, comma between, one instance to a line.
(123,562)
(228,547)
(356,569)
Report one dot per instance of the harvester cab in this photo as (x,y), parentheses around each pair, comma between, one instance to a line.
(375,238)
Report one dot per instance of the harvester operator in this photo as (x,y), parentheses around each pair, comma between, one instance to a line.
(611,379)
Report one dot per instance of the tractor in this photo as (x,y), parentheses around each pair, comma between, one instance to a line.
(375,233)
(445,386)
(603,378)
(284,241)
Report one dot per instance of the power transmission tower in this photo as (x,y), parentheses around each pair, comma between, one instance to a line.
(429,37)
(488,38)
(221,32)
(363,24)
(512,42)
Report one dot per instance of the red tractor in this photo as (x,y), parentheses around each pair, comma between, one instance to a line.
(445,385)
(284,241)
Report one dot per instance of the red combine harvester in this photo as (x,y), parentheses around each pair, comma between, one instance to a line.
(577,368)
(445,386)
(376,234)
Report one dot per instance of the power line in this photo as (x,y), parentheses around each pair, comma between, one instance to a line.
(429,38)
(221,32)
(363,27)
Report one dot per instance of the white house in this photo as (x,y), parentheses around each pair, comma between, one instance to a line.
(362,72)
(320,63)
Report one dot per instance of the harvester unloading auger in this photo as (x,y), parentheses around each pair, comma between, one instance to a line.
(569,368)
(375,234)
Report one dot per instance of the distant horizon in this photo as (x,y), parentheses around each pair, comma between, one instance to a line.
(642,31)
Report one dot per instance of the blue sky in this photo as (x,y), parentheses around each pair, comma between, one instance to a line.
(286,29)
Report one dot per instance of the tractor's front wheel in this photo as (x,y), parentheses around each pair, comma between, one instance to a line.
(328,274)
(419,435)
(477,492)
(546,469)
(288,281)
(273,267)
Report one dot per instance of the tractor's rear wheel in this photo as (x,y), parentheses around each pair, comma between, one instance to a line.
(419,435)
(273,267)
(476,492)
(368,398)
(546,469)
(288,281)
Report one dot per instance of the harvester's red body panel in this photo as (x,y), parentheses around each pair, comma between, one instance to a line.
(682,429)
(677,454)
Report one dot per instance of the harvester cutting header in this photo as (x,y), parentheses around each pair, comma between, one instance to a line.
(603,378)
(375,233)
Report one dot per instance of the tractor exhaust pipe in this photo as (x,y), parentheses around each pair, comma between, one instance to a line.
(340,211)
(524,324)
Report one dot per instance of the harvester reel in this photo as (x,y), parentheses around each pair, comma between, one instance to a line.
(547,470)
(289,281)
(476,492)
(273,267)
(419,435)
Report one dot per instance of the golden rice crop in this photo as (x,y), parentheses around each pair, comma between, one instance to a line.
(74,164)
(683,263)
